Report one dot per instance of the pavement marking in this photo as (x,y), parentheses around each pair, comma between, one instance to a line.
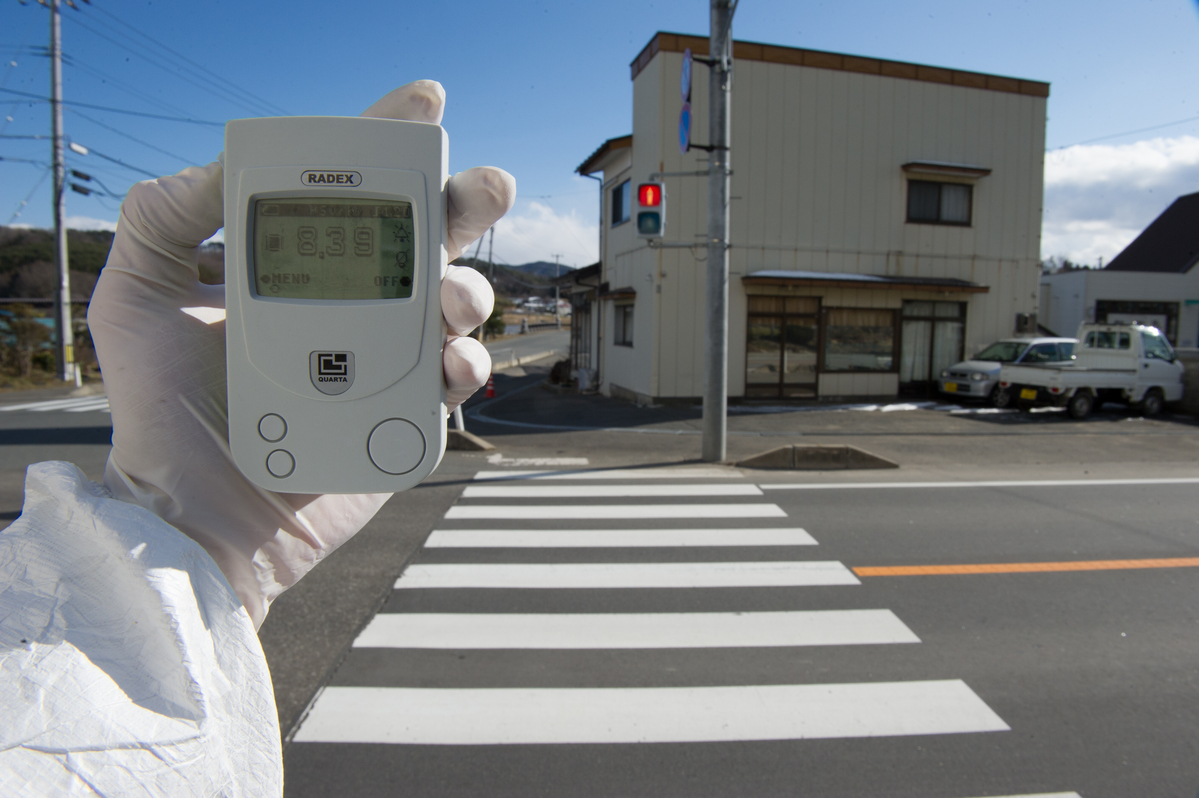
(499,459)
(626,575)
(604,491)
(1044,795)
(1017,483)
(635,631)
(606,511)
(611,538)
(82,403)
(532,716)
(616,473)
(1027,567)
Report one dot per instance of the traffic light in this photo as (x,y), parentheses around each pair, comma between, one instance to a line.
(651,218)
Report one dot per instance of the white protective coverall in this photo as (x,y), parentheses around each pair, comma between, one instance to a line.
(129,659)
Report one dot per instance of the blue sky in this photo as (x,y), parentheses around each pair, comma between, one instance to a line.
(534,87)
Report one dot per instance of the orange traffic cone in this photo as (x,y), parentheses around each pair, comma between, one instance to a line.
(490,387)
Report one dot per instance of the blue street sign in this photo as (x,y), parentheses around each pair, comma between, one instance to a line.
(685,81)
(685,128)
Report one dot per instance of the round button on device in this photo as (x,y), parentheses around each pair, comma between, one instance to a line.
(280,463)
(396,446)
(272,427)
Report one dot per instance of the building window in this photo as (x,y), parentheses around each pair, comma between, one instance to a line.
(622,203)
(858,339)
(1162,315)
(939,203)
(624,325)
(782,346)
(933,337)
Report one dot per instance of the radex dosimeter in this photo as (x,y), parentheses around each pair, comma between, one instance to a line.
(334,253)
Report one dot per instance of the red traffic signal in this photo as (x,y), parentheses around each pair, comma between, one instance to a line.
(649,195)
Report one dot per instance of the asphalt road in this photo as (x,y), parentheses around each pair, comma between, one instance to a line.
(833,683)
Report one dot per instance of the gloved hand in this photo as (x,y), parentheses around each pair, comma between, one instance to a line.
(160,339)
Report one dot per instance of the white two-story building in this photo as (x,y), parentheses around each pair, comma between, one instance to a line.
(885,223)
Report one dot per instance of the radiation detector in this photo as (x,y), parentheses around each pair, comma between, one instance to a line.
(334,254)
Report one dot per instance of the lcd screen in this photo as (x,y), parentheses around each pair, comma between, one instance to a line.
(333,248)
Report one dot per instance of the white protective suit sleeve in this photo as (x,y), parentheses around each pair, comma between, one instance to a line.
(129,661)
(128,666)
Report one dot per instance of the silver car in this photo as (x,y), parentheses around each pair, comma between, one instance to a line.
(978,377)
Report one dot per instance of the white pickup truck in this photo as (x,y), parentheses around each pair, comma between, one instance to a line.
(1128,363)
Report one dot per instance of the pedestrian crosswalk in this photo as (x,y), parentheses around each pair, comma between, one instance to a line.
(84,404)
(513,535)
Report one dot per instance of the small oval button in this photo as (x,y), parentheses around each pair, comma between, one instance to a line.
(272,427)
(396,446)
(280,463)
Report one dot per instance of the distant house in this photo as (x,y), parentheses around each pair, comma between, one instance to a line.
(886,222)
(1155,281)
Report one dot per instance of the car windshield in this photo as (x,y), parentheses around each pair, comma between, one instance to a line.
(1002,351)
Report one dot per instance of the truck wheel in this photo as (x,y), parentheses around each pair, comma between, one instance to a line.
(1153,402)
(1000,397)
(1080,405)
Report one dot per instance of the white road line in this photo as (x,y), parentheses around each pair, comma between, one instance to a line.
(606,511)
(616,473)
(603,491)
(644,630)
(1044,795)
(421,716)
(612,538)
(54,404)
(1020,483)
(626,575)
(101,405)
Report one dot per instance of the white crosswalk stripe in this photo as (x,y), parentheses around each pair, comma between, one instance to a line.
(472,552)
(615,538)
(641,630)
(80,405)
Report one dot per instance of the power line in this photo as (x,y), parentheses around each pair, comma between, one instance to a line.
(130,167)
(131,90)
(264,102)
(187,161)
(1129,133)
(215,91)
(40,99)
(28,196)
(23,160)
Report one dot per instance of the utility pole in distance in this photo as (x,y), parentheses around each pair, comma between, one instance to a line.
(716,355)
(62,305)
(557,273)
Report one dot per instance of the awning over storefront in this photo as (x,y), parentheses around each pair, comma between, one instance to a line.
(867,281)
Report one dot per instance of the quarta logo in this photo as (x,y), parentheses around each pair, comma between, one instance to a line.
(329,177)
(332,373)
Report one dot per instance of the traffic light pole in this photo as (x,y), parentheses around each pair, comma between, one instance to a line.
(62,305)
(720,92)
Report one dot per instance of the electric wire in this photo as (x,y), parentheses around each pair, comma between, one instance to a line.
(37,98)
(130,167)
(5,158)
(125,87)
(275,109)
(1128,133)
(82,115)
(17,213)
(222,94)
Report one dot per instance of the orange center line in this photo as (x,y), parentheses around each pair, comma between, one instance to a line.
(1026,567)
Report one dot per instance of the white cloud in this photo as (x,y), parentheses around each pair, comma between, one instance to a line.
(537,231)
(1098,198)
(89,223)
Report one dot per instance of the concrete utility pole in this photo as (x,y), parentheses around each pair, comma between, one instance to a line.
(557,273)
(716,355)
(490,262)
(62,305)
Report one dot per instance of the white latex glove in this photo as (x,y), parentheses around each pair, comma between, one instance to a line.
(160,339)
